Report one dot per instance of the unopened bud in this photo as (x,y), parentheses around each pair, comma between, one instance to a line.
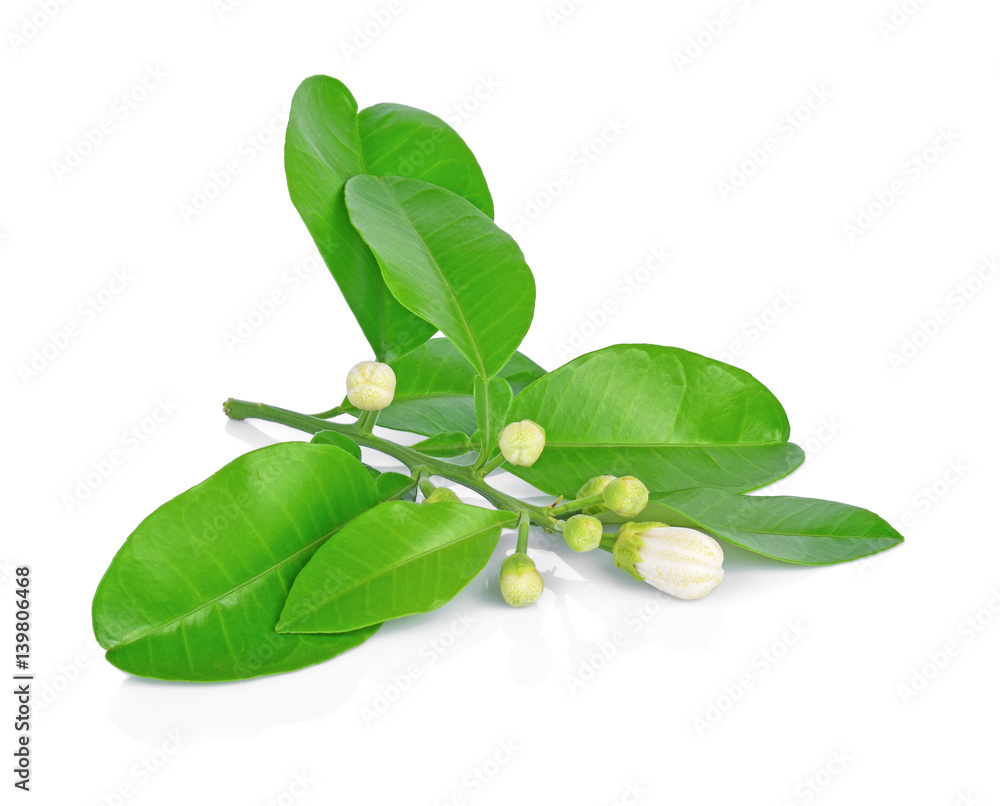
(520,582)
(371,385)
(594,486)
(442,495)
(583,533)
(626,496)
(683,562)
(522,443)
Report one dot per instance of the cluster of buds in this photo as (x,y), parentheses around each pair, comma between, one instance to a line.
(679,561)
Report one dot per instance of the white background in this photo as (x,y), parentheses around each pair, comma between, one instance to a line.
(815,312)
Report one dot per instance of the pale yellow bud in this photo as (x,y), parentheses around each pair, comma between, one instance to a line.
(520,582)
(371,385)
(626,496)
(522,443)
(583,533)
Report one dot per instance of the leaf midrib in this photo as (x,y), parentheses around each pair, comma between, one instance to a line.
(215,599)
(434,263)
(366,580)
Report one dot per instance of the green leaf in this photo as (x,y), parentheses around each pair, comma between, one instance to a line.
(195,592)
(434,389)
(338,440)
(446,261)
(446,445)
(671,418)
(395,560)
(327,143)
(492,402)
(396,487)
(795,530)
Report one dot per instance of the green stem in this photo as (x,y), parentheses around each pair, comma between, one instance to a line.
(492,465)
(368,423)
(336,411)
(577,505)
(243,409)
(522,533)
(426,488)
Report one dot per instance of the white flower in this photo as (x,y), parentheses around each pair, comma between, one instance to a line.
(683,562)
(522,443)
(371,385)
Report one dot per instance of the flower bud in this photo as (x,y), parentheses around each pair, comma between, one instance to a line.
(683,562)
(626,496)
(520,582)
(583,532)
(371,385)
(521,443)
(594,486)
(442,495)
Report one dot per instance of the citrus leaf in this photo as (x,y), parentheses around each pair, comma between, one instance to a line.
(195,592)
(672,418)
(396,559)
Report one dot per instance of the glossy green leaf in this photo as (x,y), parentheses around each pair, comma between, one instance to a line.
(447,445)
(396,487)
(395,560)
(795,530)
(492,402)
(195,592)
(671,418)
(338,440)
(328,142)
(434,389)
(446,261)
